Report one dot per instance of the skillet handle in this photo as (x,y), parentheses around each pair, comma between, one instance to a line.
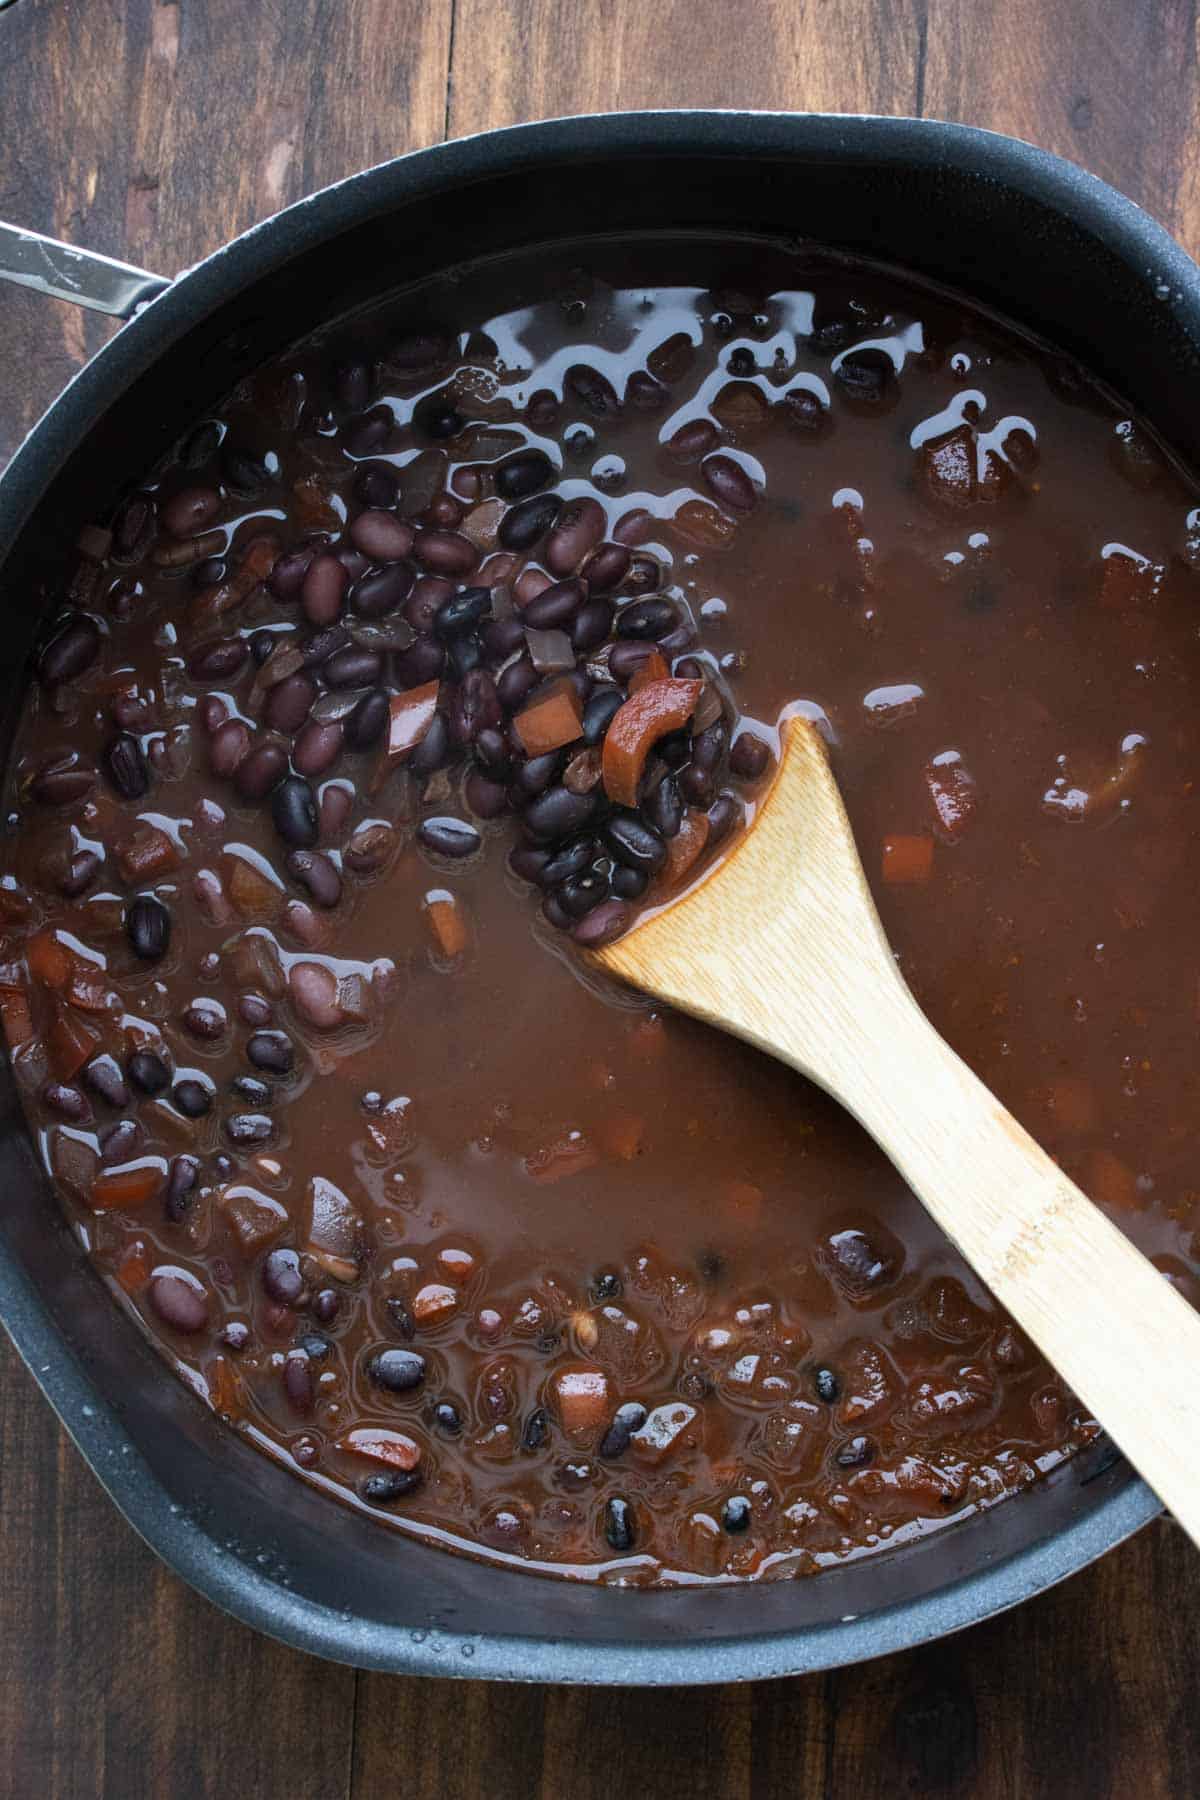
(42,263)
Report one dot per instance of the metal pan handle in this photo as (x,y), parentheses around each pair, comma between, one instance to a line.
(42,263)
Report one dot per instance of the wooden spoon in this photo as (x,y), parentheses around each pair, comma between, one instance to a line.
(782,946)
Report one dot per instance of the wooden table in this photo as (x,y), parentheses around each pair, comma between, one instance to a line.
(155,129)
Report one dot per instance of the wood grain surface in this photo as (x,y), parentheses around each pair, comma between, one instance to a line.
(154,131)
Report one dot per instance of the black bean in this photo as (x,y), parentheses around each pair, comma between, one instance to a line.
(181,1184)
(449,837)
(555,605)
(254,1010)
(235,1336)
(445,552)
(646,619)
(183,1305)
(709,745)
(523,474)
(492,752)
(475,707)
(634,842)
(447,1418)
(121,1141)
(249,1128)
(598,714)
(607,567)
(380,1490)
(148,1072)
(591,625)
(618,1523)
(326,1305)
(381,537)
(729,483)
(191,510)
(462,610)
(192,1099)
(71,652)
(324,589)
(281,1277)
(865,375)
(487,799)
(628,656)
(218,659)
(629,884)
(63,781)
(205,1019)
(537,1429)
(314,1346)
(126,766)
(298,1382)
(571,860)
(294,811)
(664,808)
(528,864)
(148,927)
(625,1421)
(397,1370)
(578,895)
(603,925)
(257,774)
(749,757)
(242,472)
(501,637)
(697,784)
(318,746)
(735,1515)
(429,593)
(421,662)
(826,1384)
(261,645)
(558,812)
(382,591)
(376,485)
(465,652)
(314,871)
(593,390)
(323,644)
(254,1092)
(287,577)
(433,749)
(366,724)
(855,1453)
(289,703)
(607,1286)
(271,1050)
(103,1075)
(531,519)
(367,434)
(516,683)
(79,874)
(352,667)
(725,812)
(66,1101)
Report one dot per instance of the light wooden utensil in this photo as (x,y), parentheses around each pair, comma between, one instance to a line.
(782,946)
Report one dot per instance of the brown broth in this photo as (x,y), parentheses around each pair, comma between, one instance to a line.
(601,1191)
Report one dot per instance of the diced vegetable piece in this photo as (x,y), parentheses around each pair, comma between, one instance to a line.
(334,1223)
(552,719)
(1110,1182)
(655,668)
(224,1387)
(393,1448)
(255,1218)
(124,1189)
(662,707)
(146,855)
(684,850)
(907,861)
(15,1017)
(70,1044)
(433,1304)
(50,962)
(581,1399)
(252,894)
(409,717)
(700,522)
(133,1272)
(447,923)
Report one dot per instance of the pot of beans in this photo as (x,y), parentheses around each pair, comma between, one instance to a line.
(406,598)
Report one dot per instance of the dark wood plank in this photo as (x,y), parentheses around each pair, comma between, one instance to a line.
(154,131)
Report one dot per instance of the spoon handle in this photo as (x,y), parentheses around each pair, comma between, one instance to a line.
(1120,1335)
